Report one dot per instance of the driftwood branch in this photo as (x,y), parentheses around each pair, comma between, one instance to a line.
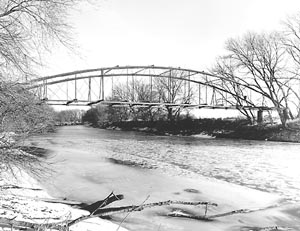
(89,207)
(93,208)
(97,210)
(134,208)
(211,217)
(124,209)
(272,228)
(8,186)
(205,217)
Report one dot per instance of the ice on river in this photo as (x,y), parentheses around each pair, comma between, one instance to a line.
(90,163)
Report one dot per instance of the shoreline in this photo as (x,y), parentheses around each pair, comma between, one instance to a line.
(218,128)
(23,199)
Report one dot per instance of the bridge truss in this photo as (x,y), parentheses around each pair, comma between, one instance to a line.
(160,86)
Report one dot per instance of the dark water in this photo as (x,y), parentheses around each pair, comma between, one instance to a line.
(89,163)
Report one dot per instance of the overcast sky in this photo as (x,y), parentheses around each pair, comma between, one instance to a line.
(185,33)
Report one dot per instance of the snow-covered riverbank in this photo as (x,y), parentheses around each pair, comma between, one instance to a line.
(22,200)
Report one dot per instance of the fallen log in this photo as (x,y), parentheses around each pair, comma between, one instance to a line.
(89,207)
(134,208)
(59,201)
(94,207)
(9,186)
(205,217)
(97,210)
(212,217)
(271,228)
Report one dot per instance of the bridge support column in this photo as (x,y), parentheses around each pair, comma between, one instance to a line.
(259,116)
(102,84)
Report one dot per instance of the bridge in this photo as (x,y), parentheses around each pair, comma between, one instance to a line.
(145,86)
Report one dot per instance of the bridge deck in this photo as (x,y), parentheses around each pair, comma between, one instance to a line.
(152,104)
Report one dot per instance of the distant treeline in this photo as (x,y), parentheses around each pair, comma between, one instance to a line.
(185,124)
(122,118)
(68,117)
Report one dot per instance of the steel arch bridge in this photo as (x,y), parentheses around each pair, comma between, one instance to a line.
(196,89)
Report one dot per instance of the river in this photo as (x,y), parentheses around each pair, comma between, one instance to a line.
(89,163)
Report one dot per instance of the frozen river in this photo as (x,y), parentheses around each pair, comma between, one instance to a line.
(85,159)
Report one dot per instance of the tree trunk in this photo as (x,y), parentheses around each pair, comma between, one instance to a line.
(283,115)
(170,114)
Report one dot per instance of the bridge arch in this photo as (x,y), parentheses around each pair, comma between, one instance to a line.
(65,88)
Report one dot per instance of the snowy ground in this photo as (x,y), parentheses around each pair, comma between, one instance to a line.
(20,200)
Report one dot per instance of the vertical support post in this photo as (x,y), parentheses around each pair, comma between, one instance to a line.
(206,93)
(99,97)
(127,86)
(75,87)
(40,93)
(89,93)
(151,87)
(169,87)
(298,113)
(132,95)
(112,87)
(67,91)
(222,95)
(189,85)
(45,94)
(199,85)
(213,97)
(102,85)
(184,88)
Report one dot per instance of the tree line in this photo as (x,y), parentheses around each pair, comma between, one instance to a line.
(169,90)
(264,63)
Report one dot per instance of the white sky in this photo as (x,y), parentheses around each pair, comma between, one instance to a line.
(185,33)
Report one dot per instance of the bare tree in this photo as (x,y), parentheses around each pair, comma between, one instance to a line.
(174,91)
(165,89)
(258,61)
(291,41)
(137,91)
(69,116)
(27,29)
(21,112)
(240,96)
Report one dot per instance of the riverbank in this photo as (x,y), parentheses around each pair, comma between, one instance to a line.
(23,200)
(262,132)
(183,127)
(219,128)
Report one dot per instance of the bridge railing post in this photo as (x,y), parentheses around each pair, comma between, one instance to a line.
(89,90)
(45,93)
(102,84)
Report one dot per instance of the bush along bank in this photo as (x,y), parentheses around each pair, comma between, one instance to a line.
(290,133)
(219,128)
(180,127)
